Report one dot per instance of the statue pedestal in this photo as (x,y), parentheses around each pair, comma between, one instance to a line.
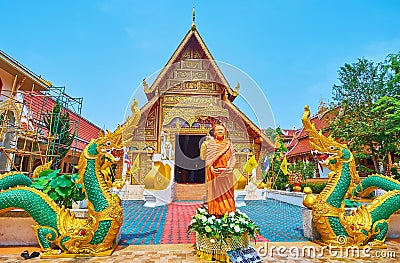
(311,233)
(394,226)
(213,249)
(252,192)
(309,229)
(16,229)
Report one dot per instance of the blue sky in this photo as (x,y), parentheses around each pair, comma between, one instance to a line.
(101,50)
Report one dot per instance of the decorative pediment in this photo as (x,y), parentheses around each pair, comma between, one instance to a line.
(190,66)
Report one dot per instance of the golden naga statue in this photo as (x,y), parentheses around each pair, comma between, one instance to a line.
(368,225)
(59,232)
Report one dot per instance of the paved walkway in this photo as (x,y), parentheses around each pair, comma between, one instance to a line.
(184,253)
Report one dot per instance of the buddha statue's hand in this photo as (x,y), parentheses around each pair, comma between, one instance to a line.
(215,170)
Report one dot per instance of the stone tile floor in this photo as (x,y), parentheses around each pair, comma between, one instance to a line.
(278,222)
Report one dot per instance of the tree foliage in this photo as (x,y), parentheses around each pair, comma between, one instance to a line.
(57,123)
(366,99)
(271,133)
(275,175)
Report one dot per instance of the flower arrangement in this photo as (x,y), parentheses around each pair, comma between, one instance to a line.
(232,225)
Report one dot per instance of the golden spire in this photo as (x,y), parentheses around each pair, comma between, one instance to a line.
(193,19)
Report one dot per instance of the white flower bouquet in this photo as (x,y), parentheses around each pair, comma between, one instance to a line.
(232,225)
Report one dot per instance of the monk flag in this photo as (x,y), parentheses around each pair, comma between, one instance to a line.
(250,164)
(266,164)
(284,166)
(135,165)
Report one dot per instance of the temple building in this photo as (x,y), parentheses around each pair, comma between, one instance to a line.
(26,100)
(185,100)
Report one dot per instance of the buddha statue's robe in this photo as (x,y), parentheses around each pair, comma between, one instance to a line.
(220,187)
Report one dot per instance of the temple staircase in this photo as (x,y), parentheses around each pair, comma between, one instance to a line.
(195,192)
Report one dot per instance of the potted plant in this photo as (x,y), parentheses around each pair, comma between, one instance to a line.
(215,236)
(60,187)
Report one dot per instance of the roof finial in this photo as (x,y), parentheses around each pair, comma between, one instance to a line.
(193,19)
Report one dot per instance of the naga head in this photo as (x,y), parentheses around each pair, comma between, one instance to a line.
(107,149)
(109,145)
(325,149)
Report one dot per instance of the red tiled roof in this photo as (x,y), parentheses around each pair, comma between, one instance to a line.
(295,138)
(288,133)
(301,146)
(39,104)
(319,122)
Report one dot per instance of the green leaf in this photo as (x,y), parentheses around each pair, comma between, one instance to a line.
(54,196)
(63,191)
(53,174)
(47,188)
(64,182)
(40,183)
(45,172)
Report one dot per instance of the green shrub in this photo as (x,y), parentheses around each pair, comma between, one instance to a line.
(395,173)
(60,187)
(315,187)
(364,170)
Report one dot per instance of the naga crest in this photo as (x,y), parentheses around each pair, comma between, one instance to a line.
(323,147)
(328,151)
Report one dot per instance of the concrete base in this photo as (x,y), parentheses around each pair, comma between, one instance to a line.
(151,200)
(16,227)
(17,231)
(155,198)
(239,200)
(294,198)
(310,232)
(394,226)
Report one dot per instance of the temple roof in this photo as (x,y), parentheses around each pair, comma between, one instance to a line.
(13,67)
(193,48)
(192,41)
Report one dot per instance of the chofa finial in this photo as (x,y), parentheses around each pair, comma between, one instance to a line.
(193,19)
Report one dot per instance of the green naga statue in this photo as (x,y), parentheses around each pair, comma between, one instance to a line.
(367,225)
(57,229)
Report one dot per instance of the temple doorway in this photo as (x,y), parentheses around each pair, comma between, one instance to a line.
(189,168)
